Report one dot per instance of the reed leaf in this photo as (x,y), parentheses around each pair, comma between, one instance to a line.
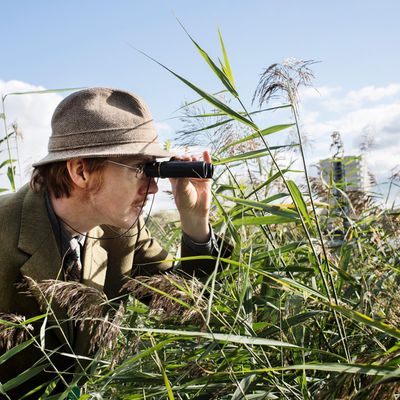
(279,250)
(212,126)
(15,350)
(290,322)
(23,377)
(208,97)
(251,155)
(219,337)
(264,132)
(366,320)
(265,220)
(191,103)
(6,162)
(220,114)
(299,201)
(45,91)
(226,67)
(225,80)
(260,205)
(375,370)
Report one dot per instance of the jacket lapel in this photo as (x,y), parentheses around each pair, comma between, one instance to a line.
(37,240)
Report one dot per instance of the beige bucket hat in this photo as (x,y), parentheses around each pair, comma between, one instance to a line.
(102,122)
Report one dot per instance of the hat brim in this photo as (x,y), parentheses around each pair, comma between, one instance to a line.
(127,149)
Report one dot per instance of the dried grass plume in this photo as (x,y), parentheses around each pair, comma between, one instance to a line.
(88,307)
(170,296)
(14,332)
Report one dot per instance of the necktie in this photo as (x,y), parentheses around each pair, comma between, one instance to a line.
(72,263)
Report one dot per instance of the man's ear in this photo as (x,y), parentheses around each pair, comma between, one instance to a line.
(77,172)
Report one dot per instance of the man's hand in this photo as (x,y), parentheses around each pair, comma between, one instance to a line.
(193,198)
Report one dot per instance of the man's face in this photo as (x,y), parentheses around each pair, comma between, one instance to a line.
(123,192)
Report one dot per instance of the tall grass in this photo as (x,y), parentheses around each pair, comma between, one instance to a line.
(294,313)
(10,139)
(8,162)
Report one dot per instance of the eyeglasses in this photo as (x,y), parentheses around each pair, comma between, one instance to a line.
(139,169)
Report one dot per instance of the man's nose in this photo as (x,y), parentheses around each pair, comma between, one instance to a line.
(153,187)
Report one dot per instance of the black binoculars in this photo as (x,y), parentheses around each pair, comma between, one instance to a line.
(179,169)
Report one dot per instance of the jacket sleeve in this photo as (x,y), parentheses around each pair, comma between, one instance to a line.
(150,258)
(215,247)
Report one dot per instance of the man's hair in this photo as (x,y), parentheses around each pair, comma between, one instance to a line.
(54,177)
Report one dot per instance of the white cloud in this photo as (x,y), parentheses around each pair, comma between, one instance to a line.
(164,130)
(373,93)
(332,99)
(311,93)
(370,111)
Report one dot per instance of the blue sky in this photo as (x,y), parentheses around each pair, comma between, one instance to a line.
(81,43)
(53,44)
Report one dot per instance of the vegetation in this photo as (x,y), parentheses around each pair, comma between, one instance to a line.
(307,307)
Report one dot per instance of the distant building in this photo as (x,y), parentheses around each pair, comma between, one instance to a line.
(348,172)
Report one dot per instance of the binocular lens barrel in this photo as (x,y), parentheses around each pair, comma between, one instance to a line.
(179,169)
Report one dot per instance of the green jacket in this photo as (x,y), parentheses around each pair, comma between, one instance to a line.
(28,248)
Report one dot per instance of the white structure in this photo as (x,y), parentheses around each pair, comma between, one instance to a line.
(351,170)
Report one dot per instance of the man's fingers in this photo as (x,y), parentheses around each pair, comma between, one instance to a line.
(180,158)
(206,156)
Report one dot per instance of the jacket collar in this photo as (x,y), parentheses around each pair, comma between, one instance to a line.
(37,239)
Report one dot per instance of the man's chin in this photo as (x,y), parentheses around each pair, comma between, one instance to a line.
(133,219)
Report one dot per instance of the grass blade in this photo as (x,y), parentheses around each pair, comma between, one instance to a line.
(219,337)
(46,91)
(264,132)
(366,320)
(23,377)
(299,201)
(251,154)
(226,67)
(211,99)
(217,71)
(272,209)
(266,220)
(15,350)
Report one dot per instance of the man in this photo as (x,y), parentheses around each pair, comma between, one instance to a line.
(80,220)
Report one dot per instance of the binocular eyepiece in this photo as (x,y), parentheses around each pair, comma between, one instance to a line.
(179,169)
